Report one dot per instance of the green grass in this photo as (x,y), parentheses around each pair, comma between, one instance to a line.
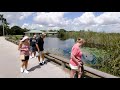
(96,52)
(15,37)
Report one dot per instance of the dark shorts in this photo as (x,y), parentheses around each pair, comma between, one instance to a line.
(32,49)
(26,58)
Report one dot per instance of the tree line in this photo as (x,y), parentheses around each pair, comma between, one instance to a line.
(15,30)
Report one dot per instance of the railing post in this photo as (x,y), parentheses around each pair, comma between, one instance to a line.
(63,65)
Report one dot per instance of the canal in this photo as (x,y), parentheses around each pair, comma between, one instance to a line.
(63,48)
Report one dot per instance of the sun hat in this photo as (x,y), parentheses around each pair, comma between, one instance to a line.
(35,35)
(43,33)
(24,38)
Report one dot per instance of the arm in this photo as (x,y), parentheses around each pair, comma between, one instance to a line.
(37,45)
(20,45)
(75,59)
(37,48)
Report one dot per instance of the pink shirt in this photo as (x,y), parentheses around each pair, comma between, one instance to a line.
(77,53)
(22,52)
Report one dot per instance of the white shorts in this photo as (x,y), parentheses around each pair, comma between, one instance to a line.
(73,67)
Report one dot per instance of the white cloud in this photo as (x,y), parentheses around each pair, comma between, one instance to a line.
(86,18)
(32,26)
(13,24)
(108,18)
(25,15)
(49,18)
(16,17)
(107,21)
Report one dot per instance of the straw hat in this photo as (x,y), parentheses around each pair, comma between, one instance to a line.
(43,33)
(34,36)
(24,38)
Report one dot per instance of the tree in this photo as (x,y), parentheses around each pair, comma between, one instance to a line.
(1,30)
(61,33)
(5,26)
(2,19)
(16,30)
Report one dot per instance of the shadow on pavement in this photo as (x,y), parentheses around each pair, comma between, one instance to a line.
(33,68)
(38,66)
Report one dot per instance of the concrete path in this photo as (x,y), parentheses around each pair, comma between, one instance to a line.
(10,64)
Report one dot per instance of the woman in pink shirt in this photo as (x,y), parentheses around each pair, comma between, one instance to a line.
(24,52)
(75,60)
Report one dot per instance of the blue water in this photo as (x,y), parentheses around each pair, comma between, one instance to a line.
(56,45)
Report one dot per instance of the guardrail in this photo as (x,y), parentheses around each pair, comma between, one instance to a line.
(89,72)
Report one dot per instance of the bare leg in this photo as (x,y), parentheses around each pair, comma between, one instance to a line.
(39,58)
(23,64)
(34,53)
(30,54)
(26,64)
(42,56)
(79,72)
(72,73)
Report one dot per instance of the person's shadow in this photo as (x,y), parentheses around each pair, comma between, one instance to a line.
(33,68)
(38,66)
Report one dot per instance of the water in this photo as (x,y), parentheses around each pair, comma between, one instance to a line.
(56,46)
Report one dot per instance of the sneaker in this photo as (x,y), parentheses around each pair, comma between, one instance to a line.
(21,69)
(40,63)
(26,71)
(43,62)
(31,57)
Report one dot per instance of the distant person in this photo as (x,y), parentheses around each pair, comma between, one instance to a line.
(24,53)
(33,46)
(75,59)
(40,48)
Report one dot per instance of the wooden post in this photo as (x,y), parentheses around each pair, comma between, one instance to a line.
(63,65)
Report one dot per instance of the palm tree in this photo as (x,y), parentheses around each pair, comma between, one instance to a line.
(2,19)
(4,22)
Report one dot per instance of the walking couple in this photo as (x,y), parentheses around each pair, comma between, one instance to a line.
(24,48)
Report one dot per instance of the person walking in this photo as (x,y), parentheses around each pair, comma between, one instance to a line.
(23,47)
(40,48)
(75,59)
(33,46)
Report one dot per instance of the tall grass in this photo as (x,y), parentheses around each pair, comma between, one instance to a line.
(110,42)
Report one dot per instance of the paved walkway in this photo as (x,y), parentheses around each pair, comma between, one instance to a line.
(10,64)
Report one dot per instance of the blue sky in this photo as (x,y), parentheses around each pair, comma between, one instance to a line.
(72,15)
(95,21)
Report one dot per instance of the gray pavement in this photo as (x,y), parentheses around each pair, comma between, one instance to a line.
(10,64)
